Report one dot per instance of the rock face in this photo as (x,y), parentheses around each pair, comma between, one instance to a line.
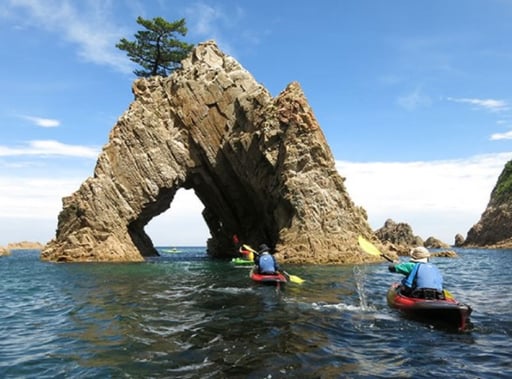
(459,240)
(4,251)
(398,237)
(434,243)
(25,245)
(398,233)
(260,165)
(494,229)
(445,254)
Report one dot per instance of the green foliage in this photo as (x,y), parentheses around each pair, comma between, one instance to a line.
(503,189)
(157,49)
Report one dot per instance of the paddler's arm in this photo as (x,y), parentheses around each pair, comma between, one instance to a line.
(402,268)
(276,265)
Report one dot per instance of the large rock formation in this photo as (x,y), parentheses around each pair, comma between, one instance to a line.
(260,165)
(494,229)
(398,237)
(459,240)
(398,233)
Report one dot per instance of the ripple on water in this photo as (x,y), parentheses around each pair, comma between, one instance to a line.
(189,318)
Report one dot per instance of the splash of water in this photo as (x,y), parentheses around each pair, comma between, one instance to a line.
(359,276)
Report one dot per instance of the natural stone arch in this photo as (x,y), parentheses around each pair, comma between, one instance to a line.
(260,165)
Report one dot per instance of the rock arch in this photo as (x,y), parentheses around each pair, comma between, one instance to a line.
(260,165)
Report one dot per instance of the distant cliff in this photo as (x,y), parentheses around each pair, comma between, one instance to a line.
(400,238)
(495,226)
(23,245)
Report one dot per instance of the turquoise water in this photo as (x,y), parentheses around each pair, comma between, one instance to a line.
(183,315)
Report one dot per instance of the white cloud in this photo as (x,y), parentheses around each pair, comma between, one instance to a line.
(205,17)
(30,207)
(413,100)
(23,229)
(437,198)
(182,224)
(34,198)
(26,202)
(91,28)
(492,105)
(49,148)
(501,136)
(43,122)
(208,22)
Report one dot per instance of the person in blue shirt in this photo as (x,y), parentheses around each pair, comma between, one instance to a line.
(422,279)
(265,261)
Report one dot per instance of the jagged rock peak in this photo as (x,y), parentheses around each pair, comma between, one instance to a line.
(494,229)
(458,240)
(399,234)
(260,166)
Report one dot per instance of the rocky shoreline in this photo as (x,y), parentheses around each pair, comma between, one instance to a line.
(23,245)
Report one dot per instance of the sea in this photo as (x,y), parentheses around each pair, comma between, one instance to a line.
(184,315)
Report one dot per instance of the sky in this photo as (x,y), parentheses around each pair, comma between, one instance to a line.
(413,98)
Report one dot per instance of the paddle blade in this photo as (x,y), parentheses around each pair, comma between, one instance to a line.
(247,247)
(294,278)
(448,295)
(368,247)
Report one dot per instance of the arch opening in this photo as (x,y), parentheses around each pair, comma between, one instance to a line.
(180,225)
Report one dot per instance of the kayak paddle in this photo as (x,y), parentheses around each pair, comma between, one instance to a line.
(292,278)
(247,247)
(371,249)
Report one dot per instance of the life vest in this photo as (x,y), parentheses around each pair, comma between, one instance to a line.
(266,263)
(424,275)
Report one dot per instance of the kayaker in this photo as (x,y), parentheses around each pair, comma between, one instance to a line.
(246,254)
(265,261)
(423,279)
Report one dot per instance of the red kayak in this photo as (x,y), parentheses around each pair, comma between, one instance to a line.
(447,312)
(274,279)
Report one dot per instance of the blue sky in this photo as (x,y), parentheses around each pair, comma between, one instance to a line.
(413,97)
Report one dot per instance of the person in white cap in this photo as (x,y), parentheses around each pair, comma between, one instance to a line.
(422,279)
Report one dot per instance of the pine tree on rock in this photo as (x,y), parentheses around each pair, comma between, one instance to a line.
(157,49)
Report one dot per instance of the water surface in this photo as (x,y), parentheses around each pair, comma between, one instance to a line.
(183,315)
